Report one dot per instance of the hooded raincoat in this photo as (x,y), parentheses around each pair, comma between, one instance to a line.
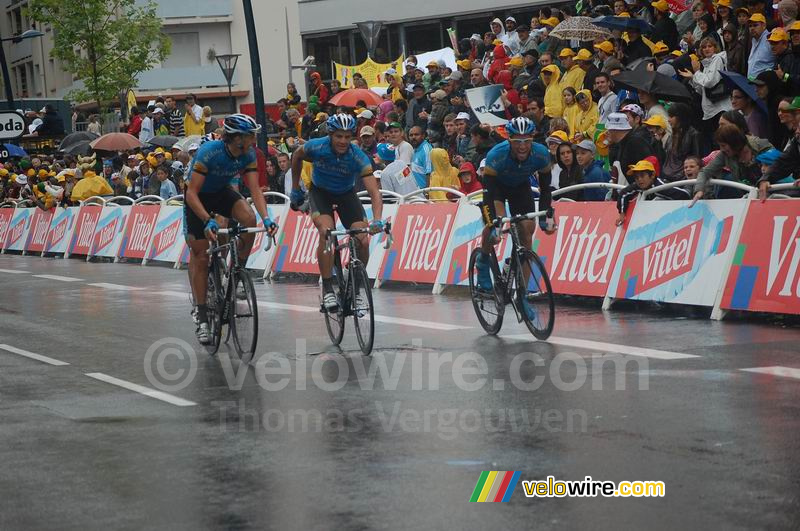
(443,174)
(553,106)
(586,121)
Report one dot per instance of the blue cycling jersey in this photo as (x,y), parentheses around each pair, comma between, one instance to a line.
(218,166)
(510,172)
(336,173)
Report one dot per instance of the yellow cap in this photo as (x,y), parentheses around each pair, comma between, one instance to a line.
(140,156)
(742,10)
(3,172)
(624,14)
(724,3)
(320,116)
(31,172)
(516,62)
(676,53)
(694,57)
(757,17)
(159,150)
(778,35)
(496,42)
(436,64)
(642,165)
(566,52)
(794,26)
(61,177)
(561,135)
(13,178)
(552,22)
(656,120)
(605,46)
(583,55)
(661,5)
(465,64)
(660,47)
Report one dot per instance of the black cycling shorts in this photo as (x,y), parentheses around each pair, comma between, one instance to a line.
(220,203)
(347,205)
(520,197)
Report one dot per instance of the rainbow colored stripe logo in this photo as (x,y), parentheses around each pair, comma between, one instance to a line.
(495,486)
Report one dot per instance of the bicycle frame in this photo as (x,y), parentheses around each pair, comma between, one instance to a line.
(332,245)
(232,262)
(517,252)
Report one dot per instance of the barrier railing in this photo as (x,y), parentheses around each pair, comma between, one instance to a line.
(149,200)
(94,200)
(780,188)
(751,191)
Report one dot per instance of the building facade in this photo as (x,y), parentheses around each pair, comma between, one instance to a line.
(198,30)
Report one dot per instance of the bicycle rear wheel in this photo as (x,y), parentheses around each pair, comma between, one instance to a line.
(215,302)
(363,311)
(489,306)
(334,320)
(244,317)
(535,299)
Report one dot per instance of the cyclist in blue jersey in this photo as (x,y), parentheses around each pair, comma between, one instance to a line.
(214,167)
(509,166)
(337,164)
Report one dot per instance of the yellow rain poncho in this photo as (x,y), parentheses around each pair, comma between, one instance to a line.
(586,121)
(553,106)
(570,113)
(91,184)
(443,174)
(573,77)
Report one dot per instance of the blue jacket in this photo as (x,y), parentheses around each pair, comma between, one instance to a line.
(595,173)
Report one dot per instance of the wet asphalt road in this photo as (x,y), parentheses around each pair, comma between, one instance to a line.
(340,447)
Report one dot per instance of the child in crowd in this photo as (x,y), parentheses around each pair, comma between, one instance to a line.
(643,176)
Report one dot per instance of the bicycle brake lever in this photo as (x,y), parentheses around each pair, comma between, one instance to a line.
(270,242)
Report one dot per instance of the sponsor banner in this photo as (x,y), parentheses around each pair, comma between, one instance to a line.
(581,255)
(372,72)
(167,235)
(40,225)
(138,231)
(421,234)
(81,241)
(5,222)
(676,254)
(378,241)
(466,236)
(18,229)
(260,259)
(108,231)
(765,275)
(61,230)
(487,104)
(297,245)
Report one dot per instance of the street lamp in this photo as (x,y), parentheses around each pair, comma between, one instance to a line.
(227,62)
(29,34)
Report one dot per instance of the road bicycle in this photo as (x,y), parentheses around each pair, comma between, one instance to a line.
(231,297)
(352,288)
(523,283)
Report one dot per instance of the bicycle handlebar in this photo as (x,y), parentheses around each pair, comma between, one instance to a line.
(498,222)
(387,229)
(250,230)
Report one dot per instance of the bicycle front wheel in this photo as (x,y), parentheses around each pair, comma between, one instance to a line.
(334,320)
(363,311)
(215,303)
(489,305)
(244,318)
(535,300)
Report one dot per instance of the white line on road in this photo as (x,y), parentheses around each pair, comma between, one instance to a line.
(118,287)
(14,271)
(33,356)
(608,347)
(62,279)
(786,372)
(146,391)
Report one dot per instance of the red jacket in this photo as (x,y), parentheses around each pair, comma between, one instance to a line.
(136,125)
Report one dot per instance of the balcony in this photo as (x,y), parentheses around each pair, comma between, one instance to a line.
(192,8)
(183,78)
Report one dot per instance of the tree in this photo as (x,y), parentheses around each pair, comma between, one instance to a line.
(104,43)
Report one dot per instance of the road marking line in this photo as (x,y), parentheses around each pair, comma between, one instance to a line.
(146,391)
(609,347)
(777,370)
(14,271)
(118,287)
(33,356)
(62,279)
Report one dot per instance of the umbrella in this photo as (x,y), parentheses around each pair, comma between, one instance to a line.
(580,28)
(351,97)
(734,80)
(623,23)
(74,138)
(184,143)
(15,151)
(116,142)
(659,85)
(82,148)
(165,141)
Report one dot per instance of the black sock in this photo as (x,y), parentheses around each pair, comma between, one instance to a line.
(327,285)
(202,313)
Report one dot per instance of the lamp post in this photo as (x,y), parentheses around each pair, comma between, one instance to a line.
(227,62)
(255,68)
(29,34)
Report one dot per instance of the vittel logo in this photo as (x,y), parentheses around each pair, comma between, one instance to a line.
(423,242)
(667,258)
(106,234)
(305,241)
(16,231)
(142,227)
(167,237)
(86,229)
(4,223)
(40,230)
(581,254)
(784,255)
(57,234)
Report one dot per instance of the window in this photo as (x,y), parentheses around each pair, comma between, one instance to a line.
(185,50)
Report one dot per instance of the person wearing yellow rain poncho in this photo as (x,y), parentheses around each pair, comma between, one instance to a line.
(443,175)
(570,106)
(396,87)
(91,184)
(587,117)
(573,74)
(553,106)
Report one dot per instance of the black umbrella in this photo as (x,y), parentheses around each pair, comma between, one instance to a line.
(164,141)
(81,148)
(623,24)
(74,138)
(734,80)
(659,85)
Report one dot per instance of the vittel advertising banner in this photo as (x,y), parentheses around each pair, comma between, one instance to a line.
(765,275)
(260,259)
(40,225)
(297,245)
(421,236)
(18,229)
(676,254)
(81,241)
(61,230)
(167,235)
(108,232)
(580,256)
(6,214)
(138,231)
